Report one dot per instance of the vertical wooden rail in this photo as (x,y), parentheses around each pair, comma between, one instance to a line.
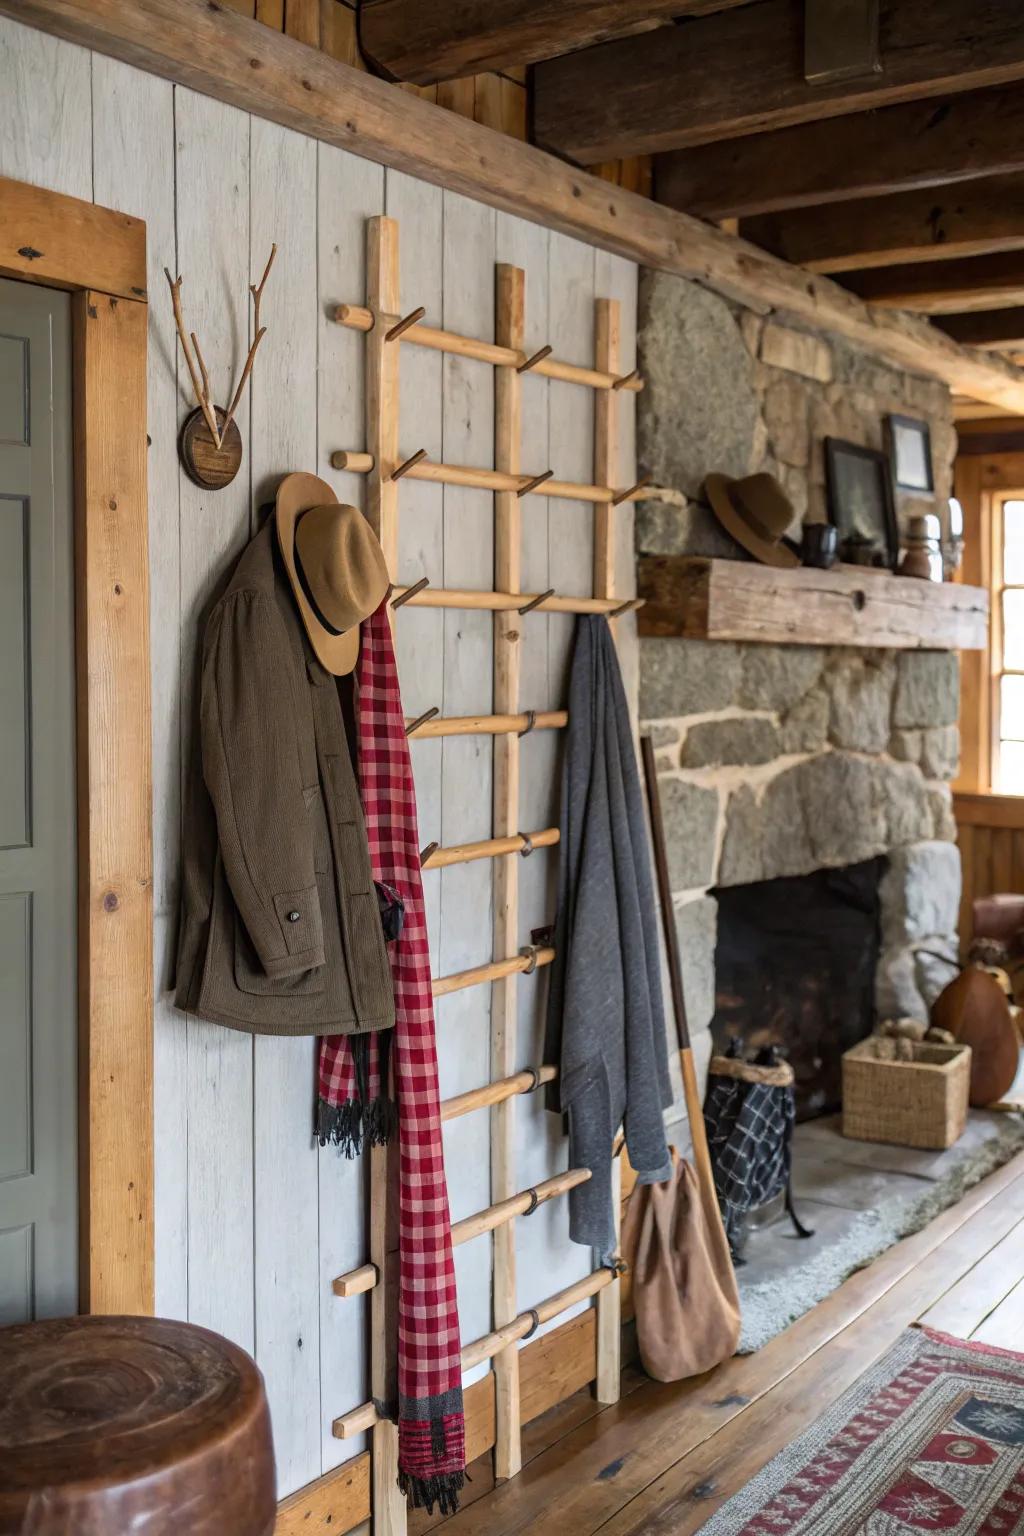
(510,303)
(606,453)
(382,297)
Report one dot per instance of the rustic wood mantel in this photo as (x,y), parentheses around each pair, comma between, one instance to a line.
(700,599)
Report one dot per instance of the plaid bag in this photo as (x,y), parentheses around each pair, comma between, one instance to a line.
(354,1104)
(750,1132)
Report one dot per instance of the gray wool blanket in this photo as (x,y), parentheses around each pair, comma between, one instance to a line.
(605,1020)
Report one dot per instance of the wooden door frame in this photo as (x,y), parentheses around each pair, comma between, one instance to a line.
(99,256)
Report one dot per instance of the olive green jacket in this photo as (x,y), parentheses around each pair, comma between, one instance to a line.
(280,930)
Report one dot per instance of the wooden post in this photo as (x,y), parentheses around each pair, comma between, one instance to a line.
(606,465)
(382,293)
(510,299)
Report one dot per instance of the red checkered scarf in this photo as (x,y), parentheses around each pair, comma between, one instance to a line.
(431,1429)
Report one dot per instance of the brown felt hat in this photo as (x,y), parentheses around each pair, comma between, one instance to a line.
(335,564)
(757,512)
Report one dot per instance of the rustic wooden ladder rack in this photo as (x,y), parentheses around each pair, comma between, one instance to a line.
(385,329)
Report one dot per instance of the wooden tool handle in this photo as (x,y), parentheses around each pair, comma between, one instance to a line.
(675,974)
(694,1107)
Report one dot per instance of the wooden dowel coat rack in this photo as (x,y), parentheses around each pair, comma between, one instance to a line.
(386,330)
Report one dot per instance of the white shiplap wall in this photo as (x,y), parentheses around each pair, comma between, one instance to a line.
(254,1221)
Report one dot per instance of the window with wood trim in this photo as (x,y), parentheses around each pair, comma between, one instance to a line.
(1008,643)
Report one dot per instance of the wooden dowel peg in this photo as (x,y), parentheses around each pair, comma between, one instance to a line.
(531,485)
(495,970)
(428,714)
(428,853)
(526,1081)
(434,857)
(358,318)
(404,597)
(356,1281)
(349,458)
(507,602)
(535,602)
(531,362)
(405,324)
(365,1416)
(403,469)
(626,495)
(626,379)
(627,607)
(495,725)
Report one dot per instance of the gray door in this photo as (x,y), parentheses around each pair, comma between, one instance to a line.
(38,1172)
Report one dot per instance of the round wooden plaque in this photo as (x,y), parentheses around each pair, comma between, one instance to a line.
(116,1424)
(205,464)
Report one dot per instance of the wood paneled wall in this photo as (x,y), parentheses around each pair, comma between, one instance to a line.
(990,832)
(252,1221)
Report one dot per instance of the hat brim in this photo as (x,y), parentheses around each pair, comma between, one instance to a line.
(297,494)
(768,551)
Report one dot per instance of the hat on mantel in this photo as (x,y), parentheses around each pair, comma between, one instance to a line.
(757,512)
(335,564)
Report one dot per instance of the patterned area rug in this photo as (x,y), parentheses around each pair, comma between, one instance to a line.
(930,1439)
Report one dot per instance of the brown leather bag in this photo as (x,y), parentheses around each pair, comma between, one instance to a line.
(684,1289)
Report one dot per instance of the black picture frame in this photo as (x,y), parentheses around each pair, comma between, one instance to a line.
(910,453)
(861,504)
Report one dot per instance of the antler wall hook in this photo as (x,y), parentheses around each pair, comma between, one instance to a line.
(210,445)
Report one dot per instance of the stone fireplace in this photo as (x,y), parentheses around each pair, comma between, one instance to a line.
(789,762)
(812,775)
(795,964)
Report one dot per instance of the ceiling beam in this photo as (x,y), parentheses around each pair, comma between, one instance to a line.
(868,154)
(943,287)
(418,41)
(971,218)
(211,49)
(999,330)
(741,72)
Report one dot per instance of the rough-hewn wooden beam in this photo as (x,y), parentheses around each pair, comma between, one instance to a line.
(742,71)
(896,149)
(973,218)
(423,42)
(202,45)
(1000,330)
(943,287)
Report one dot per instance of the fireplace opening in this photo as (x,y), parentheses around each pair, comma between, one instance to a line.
(795,963)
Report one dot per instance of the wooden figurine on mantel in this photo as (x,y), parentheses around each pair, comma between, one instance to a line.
(210,444)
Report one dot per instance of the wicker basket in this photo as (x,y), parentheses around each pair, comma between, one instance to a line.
(919,1103)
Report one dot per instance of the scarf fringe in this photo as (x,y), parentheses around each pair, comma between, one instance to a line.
(424,1492)
(349,1126)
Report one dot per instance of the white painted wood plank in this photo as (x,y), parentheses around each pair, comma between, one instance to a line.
(540,1144)
(213,256)
(45,111)
(419,632)
(283,184)
(466,905)
(548,1260)
(350,191)
(133,137)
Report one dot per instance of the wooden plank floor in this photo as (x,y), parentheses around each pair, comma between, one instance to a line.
(665,1458)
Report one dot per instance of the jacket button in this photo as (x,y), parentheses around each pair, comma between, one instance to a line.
(293,917)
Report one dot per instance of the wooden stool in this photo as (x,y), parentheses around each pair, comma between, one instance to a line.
(117,1424)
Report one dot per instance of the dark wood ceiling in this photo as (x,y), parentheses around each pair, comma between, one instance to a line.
(896,165)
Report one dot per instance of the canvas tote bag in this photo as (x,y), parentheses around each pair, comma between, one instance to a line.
(684,1289)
